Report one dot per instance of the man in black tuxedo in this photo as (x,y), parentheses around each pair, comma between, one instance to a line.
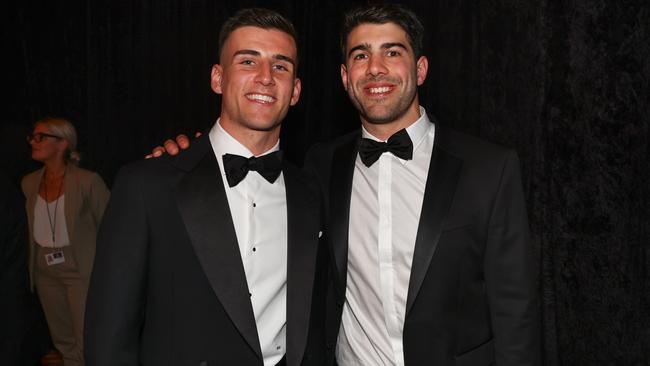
(432,261)
(213,257)
(427,227)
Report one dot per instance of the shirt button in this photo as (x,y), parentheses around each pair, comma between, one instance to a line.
(254,204)
(254,249)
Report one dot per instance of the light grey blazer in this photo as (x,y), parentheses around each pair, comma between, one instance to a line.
(86,197)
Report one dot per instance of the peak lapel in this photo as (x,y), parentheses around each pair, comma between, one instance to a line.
(340,189)
(442,179)
(302,232)
(203,205)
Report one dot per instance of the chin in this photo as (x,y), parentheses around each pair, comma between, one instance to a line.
(381,118)
(263,124)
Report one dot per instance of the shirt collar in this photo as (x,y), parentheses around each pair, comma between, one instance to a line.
(223,143)
(416,131)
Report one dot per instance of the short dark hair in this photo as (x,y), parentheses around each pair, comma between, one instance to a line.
(256,17)
(381,14)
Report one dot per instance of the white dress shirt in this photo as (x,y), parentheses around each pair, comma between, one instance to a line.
(385,211)
(50,217)
(259,213)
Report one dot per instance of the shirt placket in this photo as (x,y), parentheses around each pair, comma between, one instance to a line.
(252,187)
(385,249)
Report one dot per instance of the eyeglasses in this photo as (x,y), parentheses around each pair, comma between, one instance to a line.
(39,136)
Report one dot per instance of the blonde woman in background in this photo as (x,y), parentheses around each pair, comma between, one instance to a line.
(64,206)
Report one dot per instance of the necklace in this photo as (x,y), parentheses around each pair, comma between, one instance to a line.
(56,205)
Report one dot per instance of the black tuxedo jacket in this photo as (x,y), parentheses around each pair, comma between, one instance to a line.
(168,285)
(471,299)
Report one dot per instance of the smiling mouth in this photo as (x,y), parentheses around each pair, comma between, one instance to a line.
(261,98)
(379,90)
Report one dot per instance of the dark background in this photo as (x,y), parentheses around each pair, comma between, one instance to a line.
(565,83)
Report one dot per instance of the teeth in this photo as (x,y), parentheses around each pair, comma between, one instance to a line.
(383,89)
(261,98)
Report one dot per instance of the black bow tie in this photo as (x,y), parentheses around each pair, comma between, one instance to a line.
(269,166)
(399,145)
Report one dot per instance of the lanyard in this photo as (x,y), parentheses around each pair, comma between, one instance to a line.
(56,205)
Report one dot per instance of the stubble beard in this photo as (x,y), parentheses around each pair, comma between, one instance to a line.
(391,113)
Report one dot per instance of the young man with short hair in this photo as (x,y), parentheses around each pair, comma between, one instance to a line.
(428,226)
(213,257)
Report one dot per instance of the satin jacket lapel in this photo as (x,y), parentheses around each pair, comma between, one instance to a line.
(302,232)
(203,205)
(342,172)
(442,179)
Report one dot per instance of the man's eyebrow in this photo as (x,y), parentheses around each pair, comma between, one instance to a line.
(388,45)
(284,58)
(361,47)
(278,57)
(247,52)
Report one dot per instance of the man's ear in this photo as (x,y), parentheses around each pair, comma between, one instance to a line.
(344,76)
(422,69)
(215,78)
(295,95)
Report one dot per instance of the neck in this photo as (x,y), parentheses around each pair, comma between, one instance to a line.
(256,141)
(383,131)
(54,169)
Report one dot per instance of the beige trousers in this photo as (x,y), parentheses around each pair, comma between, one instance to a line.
(63,295)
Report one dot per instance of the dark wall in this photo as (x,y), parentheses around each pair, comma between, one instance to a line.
(564,83)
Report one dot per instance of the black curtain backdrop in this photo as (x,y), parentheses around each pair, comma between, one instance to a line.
(565,83)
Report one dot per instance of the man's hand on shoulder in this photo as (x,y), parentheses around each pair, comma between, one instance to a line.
(172,147)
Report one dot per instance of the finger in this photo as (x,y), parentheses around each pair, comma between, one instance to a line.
(171,147)
(158,151)
(183,141)
(148,156)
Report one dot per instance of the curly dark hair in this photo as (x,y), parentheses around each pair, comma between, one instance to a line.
(382,13)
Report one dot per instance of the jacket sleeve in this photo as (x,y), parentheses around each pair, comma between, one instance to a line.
(116,295)
(99,195)
(510,274)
